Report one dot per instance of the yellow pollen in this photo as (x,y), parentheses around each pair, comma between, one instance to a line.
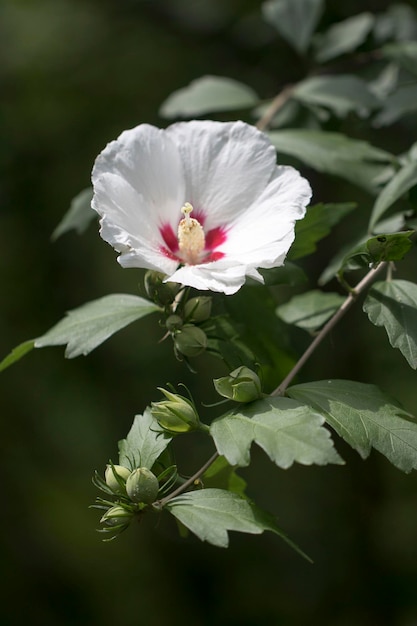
(191,239)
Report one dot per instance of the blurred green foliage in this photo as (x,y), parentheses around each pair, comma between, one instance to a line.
(75,73)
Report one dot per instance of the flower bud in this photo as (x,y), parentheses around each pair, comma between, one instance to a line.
(198,309)
(173,322)
(116,516)
(190,340)
(242,385)
(176,414)
(111,479)
(142,486)
(160,292)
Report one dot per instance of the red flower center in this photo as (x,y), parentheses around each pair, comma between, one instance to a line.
(192,245)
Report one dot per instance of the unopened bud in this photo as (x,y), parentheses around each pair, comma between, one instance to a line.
(160,292)
(111,474)
(117,516)
(176,414)
(198,309)
(173,322)
(142,486)
(242,385)
(190,340)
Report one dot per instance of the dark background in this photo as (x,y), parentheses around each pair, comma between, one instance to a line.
(73,75)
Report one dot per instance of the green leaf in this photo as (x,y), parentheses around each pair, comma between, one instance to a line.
(356,259)
(317,223)
(334,153)
(398,23)
(365,417)
(286,430)
(17,353)
(368,252)
(404,53)
(78,216)
(144,443)
(310,310)
(211,513)
(390,246)
(393,305)
(206,95)
(85,328)
(341,94)
(384,83)
(403,101)
(343,37)
(222,475)
(295,21)
(400,183)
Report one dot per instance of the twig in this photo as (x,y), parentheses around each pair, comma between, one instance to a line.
(188,482)
(276,104)
(361,286)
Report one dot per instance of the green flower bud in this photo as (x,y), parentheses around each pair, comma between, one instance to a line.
(117,516)
(160,292)
(242,385)
(176,414)
(142,486)
(173,322)
(198,309)
(111,479)
(190,340)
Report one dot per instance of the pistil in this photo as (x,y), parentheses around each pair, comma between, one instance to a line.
(191,238)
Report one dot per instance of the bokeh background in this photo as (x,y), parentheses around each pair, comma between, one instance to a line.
(74,74)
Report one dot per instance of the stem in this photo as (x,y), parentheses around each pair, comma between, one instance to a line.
(188,482)
(276,104)
(361,286)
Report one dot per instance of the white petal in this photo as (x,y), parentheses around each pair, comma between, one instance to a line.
(121,205)
(139,256)
(226,166)
(253,273)
(262,236)
(139,181)
(215,276)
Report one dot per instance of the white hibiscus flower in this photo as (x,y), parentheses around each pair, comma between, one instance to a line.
(202,202)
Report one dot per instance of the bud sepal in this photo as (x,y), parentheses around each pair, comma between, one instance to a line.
(161,292)
(198,309)
(115,520)
(174,323)
(176,414)
(117,516)
(190,340)
(242,385)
